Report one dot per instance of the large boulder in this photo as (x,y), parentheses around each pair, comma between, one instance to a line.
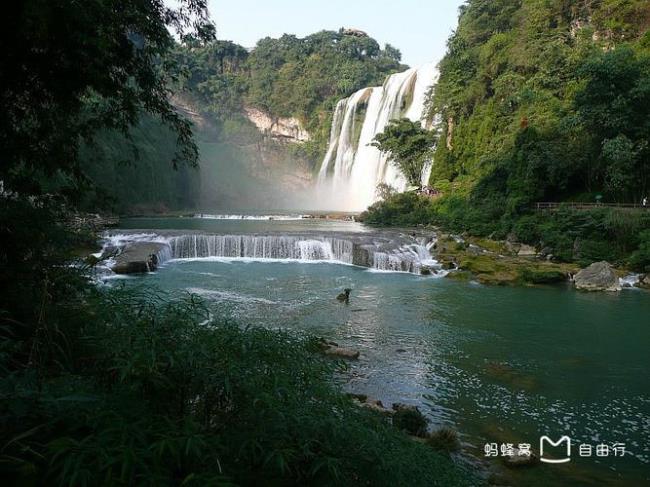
(644,281)
(599,276)
(138,257)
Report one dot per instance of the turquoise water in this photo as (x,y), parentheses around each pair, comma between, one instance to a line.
(498,364)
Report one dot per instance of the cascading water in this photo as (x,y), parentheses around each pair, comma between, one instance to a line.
(261,247)
(402,254)
(352,168)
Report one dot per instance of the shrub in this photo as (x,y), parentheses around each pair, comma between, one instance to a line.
(411,420)
(444,439)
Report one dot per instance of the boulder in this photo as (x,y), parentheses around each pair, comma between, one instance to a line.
(520,458)
(644,281)
(138,257)
(344,297)
(526,251)
(341,352)
(599,276)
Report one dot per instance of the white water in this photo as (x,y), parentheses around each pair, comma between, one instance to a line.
(405,257)
(250,217)
(352,168)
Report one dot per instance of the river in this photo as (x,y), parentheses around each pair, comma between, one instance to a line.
(498,364)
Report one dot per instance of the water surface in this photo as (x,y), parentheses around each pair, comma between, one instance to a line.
(498,364)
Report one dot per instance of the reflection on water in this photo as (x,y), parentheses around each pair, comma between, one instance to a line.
(499,364)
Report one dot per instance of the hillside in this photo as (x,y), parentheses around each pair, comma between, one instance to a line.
(542,101)
(546,101)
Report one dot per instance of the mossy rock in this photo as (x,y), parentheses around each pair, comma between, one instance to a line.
(460,276)
(495,246)
(543,276)
(479,264)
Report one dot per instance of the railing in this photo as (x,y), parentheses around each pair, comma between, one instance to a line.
(588,206)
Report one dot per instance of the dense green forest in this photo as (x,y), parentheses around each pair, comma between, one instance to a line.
(543,101)
(102,386)
(284,77)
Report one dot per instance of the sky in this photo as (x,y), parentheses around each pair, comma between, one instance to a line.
(418,28)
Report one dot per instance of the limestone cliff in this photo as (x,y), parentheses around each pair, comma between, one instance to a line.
(288,129)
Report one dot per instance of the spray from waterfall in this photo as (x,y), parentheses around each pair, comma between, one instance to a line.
(352,168)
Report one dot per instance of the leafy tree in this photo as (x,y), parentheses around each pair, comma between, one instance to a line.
(408,145)
(63,78)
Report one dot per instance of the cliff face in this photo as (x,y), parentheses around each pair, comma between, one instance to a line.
(288,129)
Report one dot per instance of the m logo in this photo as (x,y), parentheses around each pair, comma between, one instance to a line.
(551,443)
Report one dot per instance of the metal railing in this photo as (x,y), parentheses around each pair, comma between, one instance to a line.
(547,205)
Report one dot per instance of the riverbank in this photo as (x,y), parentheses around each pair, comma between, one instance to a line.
(525,248)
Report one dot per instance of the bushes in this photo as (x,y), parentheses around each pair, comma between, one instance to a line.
(152,397)
(640,259)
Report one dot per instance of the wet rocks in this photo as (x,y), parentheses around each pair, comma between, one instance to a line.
(599,276)
(332,349)
(644,282)
(520,458)
(344,297)
(370,403)
(138,257)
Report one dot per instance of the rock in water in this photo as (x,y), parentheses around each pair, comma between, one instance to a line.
(344,297)
(138,257)
(342,352)
(599,276)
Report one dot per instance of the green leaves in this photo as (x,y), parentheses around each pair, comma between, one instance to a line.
(408,145)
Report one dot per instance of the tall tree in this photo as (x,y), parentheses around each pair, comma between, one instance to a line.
(68,68)
(408,145)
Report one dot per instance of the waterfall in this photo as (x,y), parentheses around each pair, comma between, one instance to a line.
(261,247)
(352,168)
(395,253)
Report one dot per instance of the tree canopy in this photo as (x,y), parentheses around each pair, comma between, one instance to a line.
(62,78)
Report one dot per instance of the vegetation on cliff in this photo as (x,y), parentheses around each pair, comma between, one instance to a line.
(285,77)
(542,101)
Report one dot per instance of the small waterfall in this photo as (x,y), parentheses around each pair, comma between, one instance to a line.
(261,247)
(396,254)
(352,168)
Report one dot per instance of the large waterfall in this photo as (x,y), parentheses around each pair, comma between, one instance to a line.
(352,168)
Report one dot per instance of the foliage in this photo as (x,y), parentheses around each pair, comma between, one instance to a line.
(132,174)
(410,420)
(63,78)
(640,259)
(408,145)
(284,77)
(444,439)
(542,101)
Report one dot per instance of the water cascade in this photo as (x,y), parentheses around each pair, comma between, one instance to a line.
(397,253)
(352,168)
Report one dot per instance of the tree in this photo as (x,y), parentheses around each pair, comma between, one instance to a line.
(70,68)
(408,145)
